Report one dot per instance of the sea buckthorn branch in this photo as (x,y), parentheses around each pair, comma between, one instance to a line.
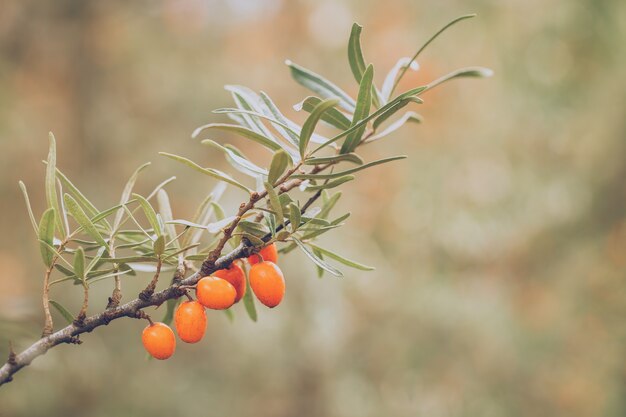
(158,245)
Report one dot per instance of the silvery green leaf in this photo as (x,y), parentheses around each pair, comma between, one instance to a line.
(240,131)
(356,60)
(348,171)
(246,99)
(275,203)
(150,213)
(319,262)
(332,116)
(389,107)
(165,210)
(83,220)
(29,208)
(294,216)
(342,259)
(406,117)
(287,128)
(207,171)
(51,191)
(238,161)
(348,157)
(394,109)
(128,189)
(363,106)
(324,88)
(428,42)
(63,311)
(479,72)
(331,184)
(248,302)
(46,235)
(279,164)
(79,263)
(159,245)
(254,228)
(311,122)
(391,77)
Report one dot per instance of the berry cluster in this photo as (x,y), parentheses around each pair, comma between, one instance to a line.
(218,292)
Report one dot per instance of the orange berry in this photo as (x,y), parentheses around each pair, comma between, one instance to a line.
(159,340)
(268,283)
(190,320)
(269,253)
(235,275)
(215,293)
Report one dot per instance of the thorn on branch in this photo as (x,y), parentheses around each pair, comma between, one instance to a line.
(11,361)
(114,299)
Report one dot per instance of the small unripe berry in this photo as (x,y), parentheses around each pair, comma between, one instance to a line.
(159,340)
(267,283)
(190,319)
(215,293)
(269,253)
(236,277)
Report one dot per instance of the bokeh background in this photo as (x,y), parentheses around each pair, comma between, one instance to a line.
(500,244)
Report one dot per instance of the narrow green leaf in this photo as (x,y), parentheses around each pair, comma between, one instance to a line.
(51,190)
(63,311)
(128,189)
(394,109)
(159,245)
(280,160)
(150,214)
(207,171)
(83,220)
(348,157)
(321,86)
(294,216)
(347,171)
(170,308)
(79,263)
(477,72)
(237,160)
(253,228)
(392,75)
(363,106)
(343,260)
(287,128)
(319,262)
(229,315)
(406,117)
(248,302)
(165,210)
(356,60)
(241,131)
(331,184)
(355,54)
(311,123)
(419,51)
(46,234)
(320,271)
(381,111)
(332,116)
(246,99)
(275,203)
(29,208)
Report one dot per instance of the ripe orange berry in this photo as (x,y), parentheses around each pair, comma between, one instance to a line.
(269,253)
(159,340)
(268,283)
(215,293)
(190,320)
(235,275)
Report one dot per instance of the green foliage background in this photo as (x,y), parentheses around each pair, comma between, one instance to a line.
(500,244)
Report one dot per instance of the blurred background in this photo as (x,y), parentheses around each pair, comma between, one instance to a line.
(500,244)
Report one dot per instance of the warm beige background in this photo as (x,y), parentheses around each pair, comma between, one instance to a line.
(500,245)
